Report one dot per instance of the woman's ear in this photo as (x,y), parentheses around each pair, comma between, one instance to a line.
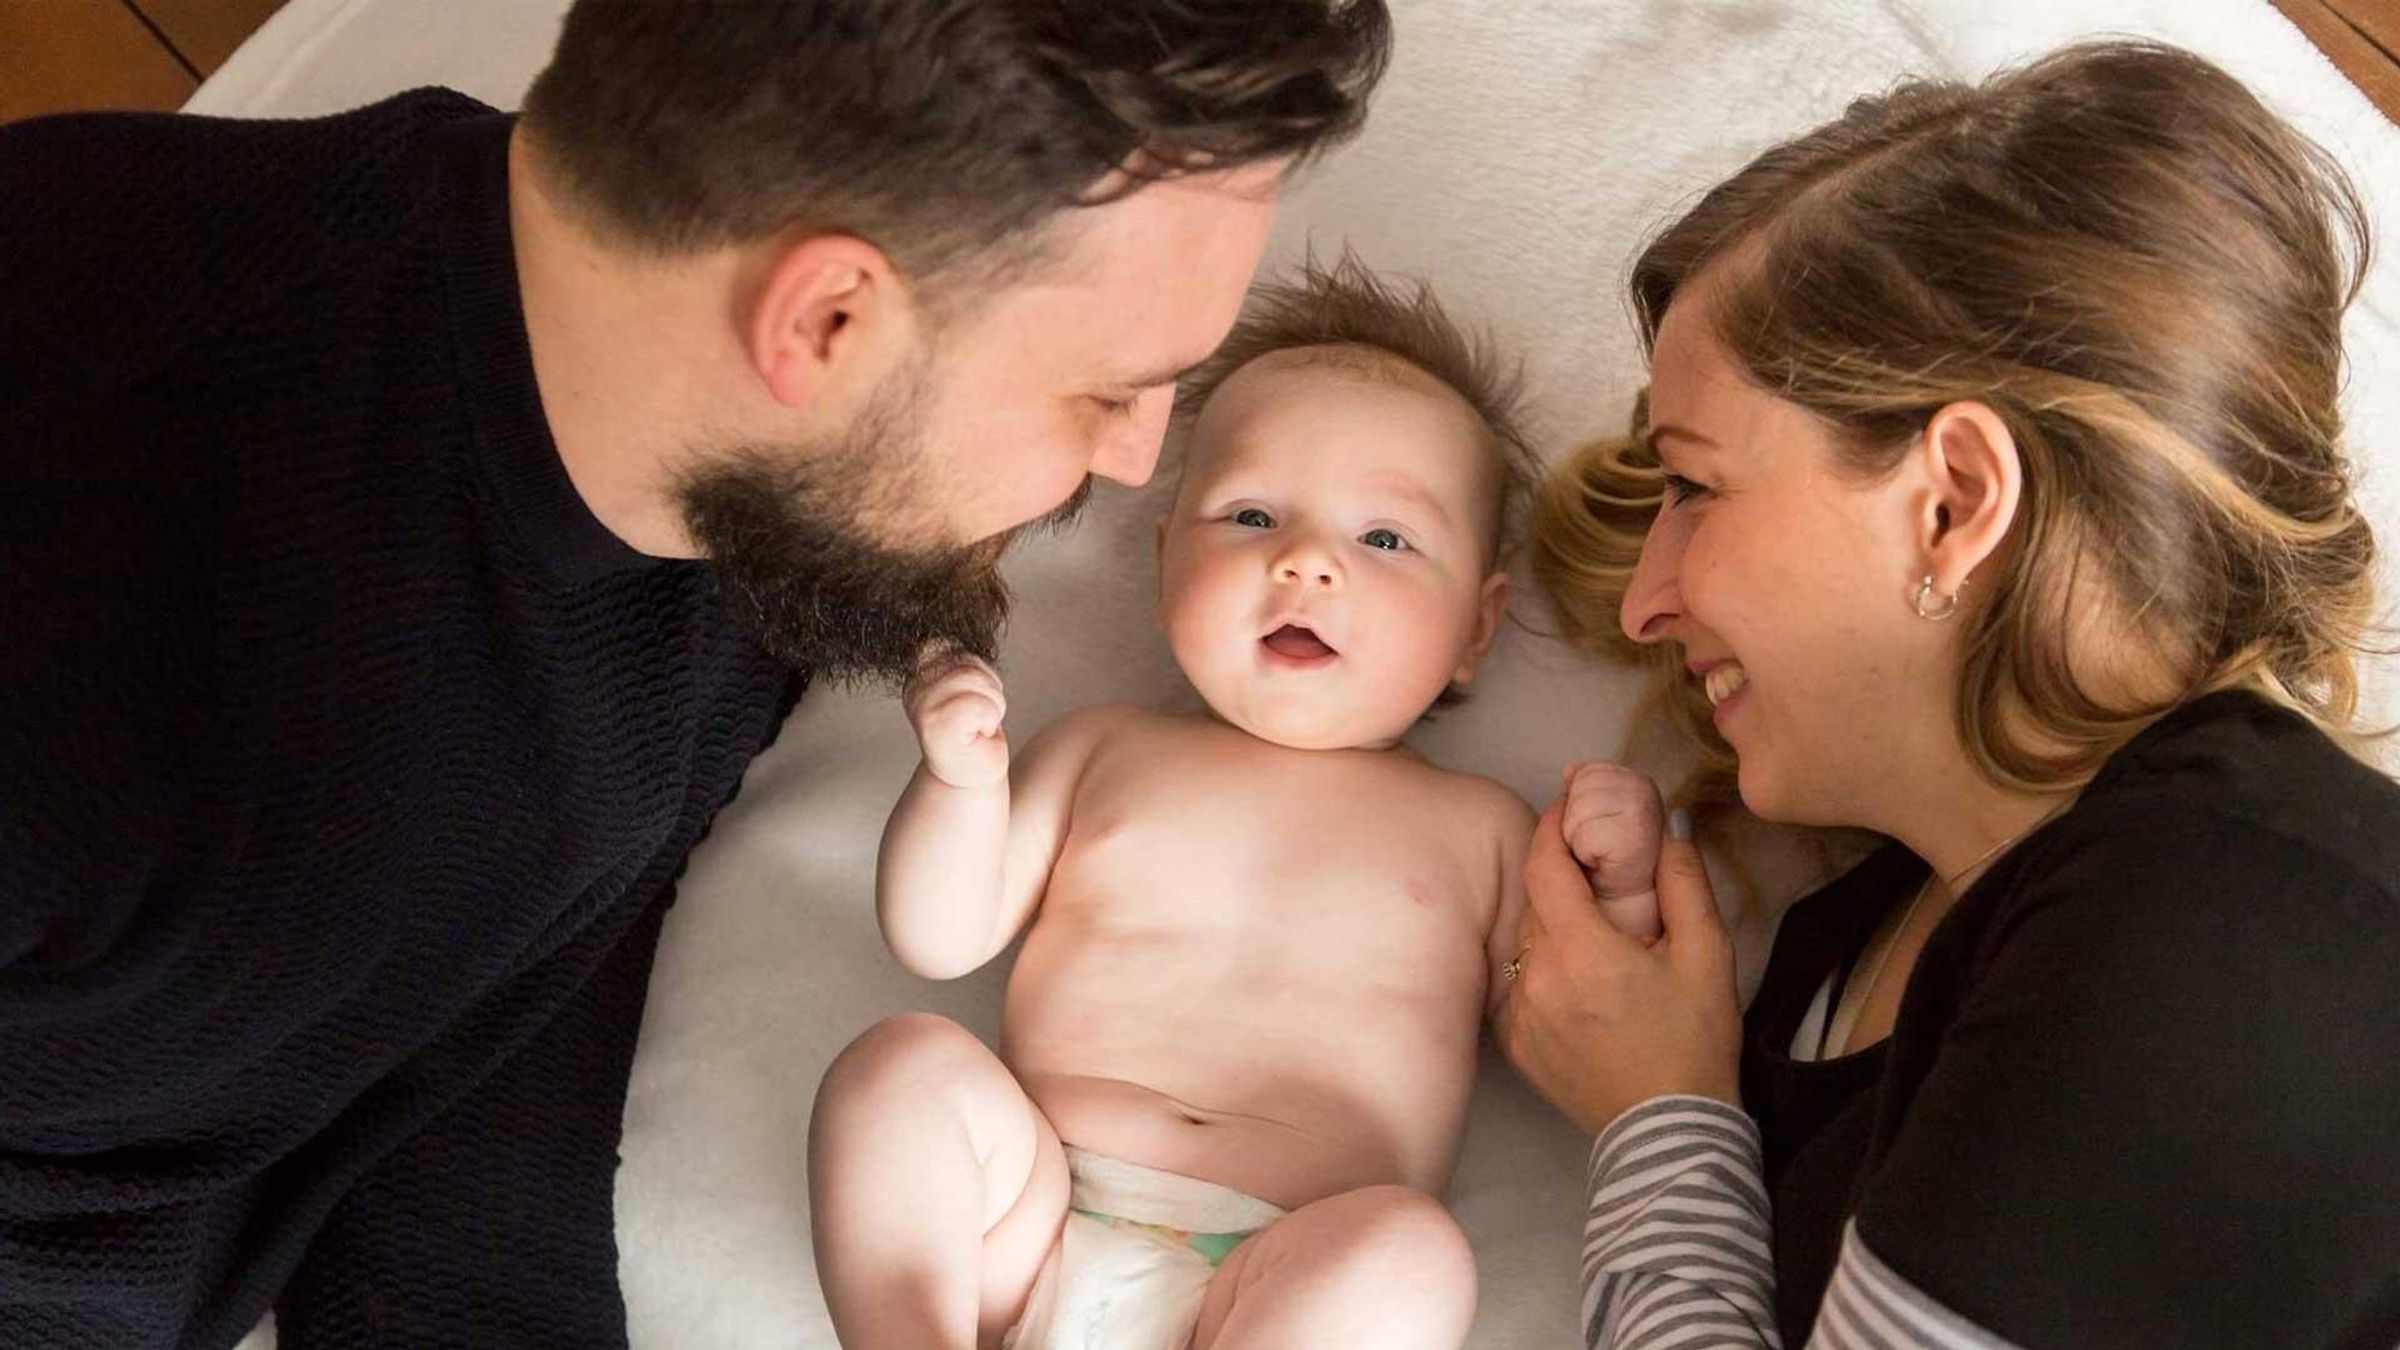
(1489,608)
(1975,478)
(822,307)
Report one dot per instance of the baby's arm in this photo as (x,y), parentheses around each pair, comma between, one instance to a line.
(1516,822)
(1614,823)
(968,850)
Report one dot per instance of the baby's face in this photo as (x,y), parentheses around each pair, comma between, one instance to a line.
(1326,570)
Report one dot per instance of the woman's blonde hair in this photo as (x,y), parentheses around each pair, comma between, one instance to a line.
(2143,272)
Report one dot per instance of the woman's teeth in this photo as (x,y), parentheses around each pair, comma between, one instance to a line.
(1723,682)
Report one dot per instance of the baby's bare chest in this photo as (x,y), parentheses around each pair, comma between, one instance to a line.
(1282,855)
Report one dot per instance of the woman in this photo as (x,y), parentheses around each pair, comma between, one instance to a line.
(1989,495)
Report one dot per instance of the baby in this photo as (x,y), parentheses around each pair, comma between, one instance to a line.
(1237,1045)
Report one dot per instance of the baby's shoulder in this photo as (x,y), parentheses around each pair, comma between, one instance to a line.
(1485,805)
(1098,721)
(1080,736)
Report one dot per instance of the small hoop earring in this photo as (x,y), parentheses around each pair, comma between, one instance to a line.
(1949,602)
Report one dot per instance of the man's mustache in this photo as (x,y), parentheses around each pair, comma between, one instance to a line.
(1064,514)
(987,552)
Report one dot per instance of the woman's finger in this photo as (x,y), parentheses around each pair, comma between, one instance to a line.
(1556,890)
(1529,928)
(1687,903)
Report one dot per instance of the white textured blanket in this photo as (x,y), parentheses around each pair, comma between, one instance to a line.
(1519,152)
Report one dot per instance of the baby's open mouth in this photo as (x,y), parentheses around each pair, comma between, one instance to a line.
(1296,642)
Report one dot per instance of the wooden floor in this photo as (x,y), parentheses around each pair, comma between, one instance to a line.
(2362,37)
(63,55)
(67,55)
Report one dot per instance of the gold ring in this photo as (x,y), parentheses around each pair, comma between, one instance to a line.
(1513,969)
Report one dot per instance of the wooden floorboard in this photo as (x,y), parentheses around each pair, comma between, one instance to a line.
(65,55)
(2361,38)
(207,31)
(83,55)
(2376,20)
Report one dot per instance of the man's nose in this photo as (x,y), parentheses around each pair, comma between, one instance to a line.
(1128,454)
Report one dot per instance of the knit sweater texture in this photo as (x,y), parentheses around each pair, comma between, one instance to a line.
(348,761)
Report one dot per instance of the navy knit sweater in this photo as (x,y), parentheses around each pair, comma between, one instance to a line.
(346,762)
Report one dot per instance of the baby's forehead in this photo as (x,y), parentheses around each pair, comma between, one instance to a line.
(1350,360)
(1325,381)
(1330,377)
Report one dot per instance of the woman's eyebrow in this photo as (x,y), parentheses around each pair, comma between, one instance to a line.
(1659,429)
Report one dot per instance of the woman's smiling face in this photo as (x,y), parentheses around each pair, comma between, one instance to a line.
(1787,581)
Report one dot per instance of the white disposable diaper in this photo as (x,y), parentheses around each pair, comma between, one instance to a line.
(1135,1259)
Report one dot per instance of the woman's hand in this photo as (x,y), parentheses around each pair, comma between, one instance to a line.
(1600,1023)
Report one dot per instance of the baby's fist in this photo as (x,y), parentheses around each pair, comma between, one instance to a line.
(1614,823)
(955,704)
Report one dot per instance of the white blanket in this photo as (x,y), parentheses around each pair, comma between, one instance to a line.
(1519,152)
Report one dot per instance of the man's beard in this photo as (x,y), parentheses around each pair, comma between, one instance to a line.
(785,535)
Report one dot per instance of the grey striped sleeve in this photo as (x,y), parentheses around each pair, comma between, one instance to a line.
(1869,1306)
(1677,1249)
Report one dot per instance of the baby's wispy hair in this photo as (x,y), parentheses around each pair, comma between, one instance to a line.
(1348,310)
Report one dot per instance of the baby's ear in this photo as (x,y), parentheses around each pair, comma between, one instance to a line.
(1489,607)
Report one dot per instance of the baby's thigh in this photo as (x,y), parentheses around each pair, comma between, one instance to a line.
(911,1108)
(1382,1266)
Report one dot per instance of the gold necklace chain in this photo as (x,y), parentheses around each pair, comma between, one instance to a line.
(1884,955)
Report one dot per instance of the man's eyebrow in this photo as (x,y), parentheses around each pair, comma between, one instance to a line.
(1152,379)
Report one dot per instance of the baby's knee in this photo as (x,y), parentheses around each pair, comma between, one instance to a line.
(1405,1245)
(901,1052)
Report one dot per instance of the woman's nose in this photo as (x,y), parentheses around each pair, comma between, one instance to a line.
(1654,600)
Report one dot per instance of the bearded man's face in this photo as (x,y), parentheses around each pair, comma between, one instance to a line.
(821,553)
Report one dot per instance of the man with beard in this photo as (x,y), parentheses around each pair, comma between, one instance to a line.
(412,522)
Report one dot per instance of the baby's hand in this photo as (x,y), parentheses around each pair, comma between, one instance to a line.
(955,703)
(1614,822)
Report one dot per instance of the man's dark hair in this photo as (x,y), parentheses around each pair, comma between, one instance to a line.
(942,131)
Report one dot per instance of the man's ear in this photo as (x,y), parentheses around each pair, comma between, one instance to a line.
(1489,608)
(1975,479)
(827,301)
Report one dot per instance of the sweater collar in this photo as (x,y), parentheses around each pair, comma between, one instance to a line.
(516,458)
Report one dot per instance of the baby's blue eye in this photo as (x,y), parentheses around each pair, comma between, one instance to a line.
(1254,518)
(1384,539)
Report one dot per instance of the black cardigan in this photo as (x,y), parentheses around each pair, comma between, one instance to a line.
(2144,1085)
(347,761)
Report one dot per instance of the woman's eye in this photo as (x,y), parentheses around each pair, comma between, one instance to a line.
(1115,407)
(1681,489)
(1254,518)
(1384,539)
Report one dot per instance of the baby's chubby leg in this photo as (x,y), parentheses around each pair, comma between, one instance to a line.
(936,1188)
(1384,1266)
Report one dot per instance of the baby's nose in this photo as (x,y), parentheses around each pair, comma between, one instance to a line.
(1308,569)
